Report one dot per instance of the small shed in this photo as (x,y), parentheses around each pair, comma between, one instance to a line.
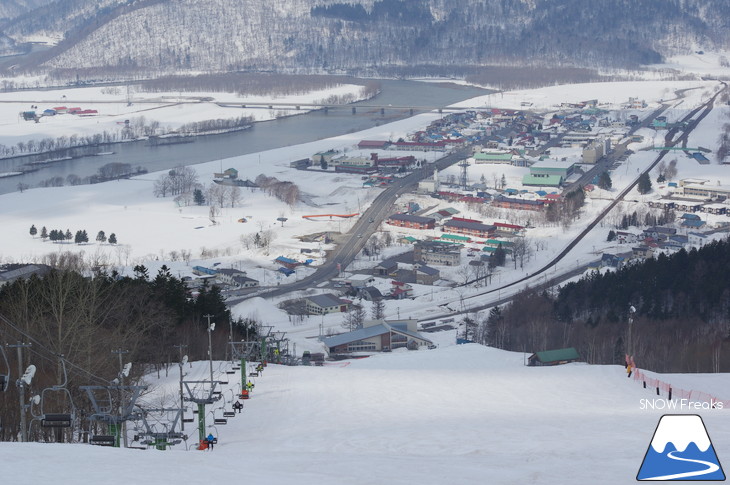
(554,357)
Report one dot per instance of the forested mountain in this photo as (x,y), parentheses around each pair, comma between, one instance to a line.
(11,9)
(681,321)
(362,35)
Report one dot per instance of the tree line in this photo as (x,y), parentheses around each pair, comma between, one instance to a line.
(681,321)
(83,313)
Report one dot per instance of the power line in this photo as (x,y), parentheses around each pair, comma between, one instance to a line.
(37,344)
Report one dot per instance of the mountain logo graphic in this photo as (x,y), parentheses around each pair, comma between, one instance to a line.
(681,450)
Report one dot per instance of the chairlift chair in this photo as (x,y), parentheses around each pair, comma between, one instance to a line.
(102,440)
(220,421)
(57,420)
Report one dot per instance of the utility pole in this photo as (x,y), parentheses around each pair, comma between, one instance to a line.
(121,352)
(211,327)
(181,364)
(21,393)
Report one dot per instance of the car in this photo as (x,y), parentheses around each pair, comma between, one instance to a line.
(371,220)
(359,235)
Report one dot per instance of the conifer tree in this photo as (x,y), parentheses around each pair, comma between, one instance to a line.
(44,233)
(101,237)
(112,238)
(33,230)
(644,185)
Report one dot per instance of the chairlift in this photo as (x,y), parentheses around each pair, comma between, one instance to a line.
(4,370)
(188,420)
(220,421)
(57,420)
(229,414)
(229,372)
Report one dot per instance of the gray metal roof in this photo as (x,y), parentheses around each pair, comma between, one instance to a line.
(326,300)
(355,335)
(428,270)
(367,332)
(412,218)
(478,226)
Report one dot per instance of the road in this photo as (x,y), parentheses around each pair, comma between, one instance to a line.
(706,108)
(356,238)
(381,208)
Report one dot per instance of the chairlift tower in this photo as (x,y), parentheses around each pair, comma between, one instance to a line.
(243,351)
(102,401)
(201,397)
(150,436)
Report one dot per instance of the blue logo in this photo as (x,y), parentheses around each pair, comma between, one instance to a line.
(681,450)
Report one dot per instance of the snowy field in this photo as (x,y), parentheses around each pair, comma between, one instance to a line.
(457,415)
(171,110)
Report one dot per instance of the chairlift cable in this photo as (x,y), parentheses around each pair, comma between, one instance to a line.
(38,345)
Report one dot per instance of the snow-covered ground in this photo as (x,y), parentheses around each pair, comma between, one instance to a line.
(155,231)
(115,106)
(457,414)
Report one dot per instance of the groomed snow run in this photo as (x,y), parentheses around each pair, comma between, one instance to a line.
(454,415)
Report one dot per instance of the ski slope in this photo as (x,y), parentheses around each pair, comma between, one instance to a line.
(457,414)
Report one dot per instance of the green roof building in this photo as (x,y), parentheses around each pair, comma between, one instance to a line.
(493,157)
(554,357)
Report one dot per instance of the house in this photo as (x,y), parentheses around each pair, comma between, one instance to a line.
(554,357)
(625,237)
(659,232)
(231,174)
(437,252)
(693,223)
(697,239)
(226,276)
(386,268)
(245,282)
(325,303)
(469,227)
(400,290)
(426,275)
(288,263)
(377,336)
(641,252)
(612,261)
(411,221)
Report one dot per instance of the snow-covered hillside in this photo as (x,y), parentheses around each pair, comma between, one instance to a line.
(328,35)
(457,415)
